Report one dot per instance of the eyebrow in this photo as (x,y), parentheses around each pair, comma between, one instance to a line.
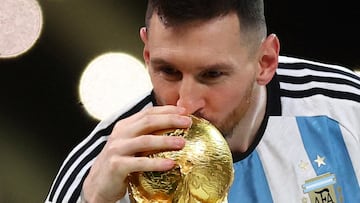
(219,65)
(159,61)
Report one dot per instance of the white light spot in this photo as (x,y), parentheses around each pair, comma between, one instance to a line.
(20,26)
(111,82)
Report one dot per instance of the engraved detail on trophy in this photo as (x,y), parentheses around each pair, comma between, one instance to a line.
(203,174)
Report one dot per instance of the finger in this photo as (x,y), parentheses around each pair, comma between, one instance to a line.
(150,164)
(148,144)
(120,167)
(165,109)
(150,123)
(156,110)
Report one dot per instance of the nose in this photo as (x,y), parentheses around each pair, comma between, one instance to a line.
(191,96)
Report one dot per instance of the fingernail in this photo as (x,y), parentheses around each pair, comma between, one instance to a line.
(179,143)
(168,163)
(185,120)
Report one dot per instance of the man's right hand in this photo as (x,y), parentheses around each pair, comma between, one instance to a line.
(107,179)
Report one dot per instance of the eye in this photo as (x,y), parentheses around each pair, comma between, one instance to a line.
(212,74)
(170,73)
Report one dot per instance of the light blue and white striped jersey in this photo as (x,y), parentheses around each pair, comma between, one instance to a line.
(306,150)
(292,152)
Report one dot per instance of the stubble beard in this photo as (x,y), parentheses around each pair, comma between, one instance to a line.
(231,125)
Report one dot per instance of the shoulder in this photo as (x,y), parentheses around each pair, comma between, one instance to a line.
(309,88)
(304,78)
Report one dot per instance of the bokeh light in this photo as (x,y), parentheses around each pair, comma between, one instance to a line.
(21,22)
(112,81)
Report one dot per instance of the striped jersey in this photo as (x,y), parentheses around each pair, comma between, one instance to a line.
(306,150)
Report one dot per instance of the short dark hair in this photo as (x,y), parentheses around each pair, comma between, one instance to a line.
(175,12)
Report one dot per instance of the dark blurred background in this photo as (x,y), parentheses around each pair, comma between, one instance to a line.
(41,116)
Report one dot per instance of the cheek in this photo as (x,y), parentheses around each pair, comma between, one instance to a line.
(166,94)
(231,103)
(232,92)
(225,101)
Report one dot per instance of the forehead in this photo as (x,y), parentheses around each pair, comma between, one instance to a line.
(220,36)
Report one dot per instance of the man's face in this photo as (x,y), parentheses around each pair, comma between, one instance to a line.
(204,67)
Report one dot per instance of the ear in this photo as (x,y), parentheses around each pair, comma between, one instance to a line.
(144,38)
(268,59)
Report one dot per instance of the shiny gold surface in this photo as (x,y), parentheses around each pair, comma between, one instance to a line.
(203,174)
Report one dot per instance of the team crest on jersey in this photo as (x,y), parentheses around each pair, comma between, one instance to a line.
(321,189)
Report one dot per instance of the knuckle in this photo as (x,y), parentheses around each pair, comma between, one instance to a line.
(146,120)
(118,166)
(119,125)
(112,149)
(145,141)
(113,164)
(147,111)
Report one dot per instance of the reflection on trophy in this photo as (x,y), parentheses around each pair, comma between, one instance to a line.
(203,174)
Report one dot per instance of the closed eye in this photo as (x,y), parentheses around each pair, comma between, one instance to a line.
(212,74)
(170,73)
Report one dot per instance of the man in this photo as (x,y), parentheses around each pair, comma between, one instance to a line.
(293,128)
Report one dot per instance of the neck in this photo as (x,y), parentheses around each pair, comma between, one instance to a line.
(245,131)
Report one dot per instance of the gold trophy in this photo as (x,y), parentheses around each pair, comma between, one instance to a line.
(203,173)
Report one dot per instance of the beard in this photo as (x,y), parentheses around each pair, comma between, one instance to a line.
(231,124)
